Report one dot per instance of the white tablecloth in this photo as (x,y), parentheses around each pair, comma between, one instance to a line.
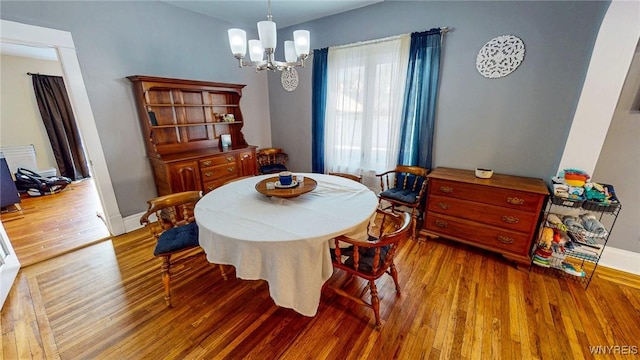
(283,241)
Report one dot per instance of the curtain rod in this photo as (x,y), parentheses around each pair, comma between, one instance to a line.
(30,74)
(443,30)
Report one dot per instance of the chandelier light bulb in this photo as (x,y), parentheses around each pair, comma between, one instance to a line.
(290,54)
(267,33)
(238,42)
(256,51)
(301,39)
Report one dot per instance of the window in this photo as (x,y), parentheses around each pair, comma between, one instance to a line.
(365,91)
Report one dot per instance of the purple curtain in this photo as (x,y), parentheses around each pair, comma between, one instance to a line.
(57,115)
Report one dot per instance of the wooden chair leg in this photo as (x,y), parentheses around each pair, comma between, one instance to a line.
(394,275)
(166,279)
(224,275)
(375,302)
(414,223)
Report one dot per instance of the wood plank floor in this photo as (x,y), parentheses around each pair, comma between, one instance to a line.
(52,225)
(105,301)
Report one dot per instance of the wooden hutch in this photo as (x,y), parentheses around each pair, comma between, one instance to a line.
(182,122)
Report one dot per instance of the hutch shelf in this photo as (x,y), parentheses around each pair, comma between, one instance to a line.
(182,123)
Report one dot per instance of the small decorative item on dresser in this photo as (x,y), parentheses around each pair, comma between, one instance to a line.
(229,118)
(484,173)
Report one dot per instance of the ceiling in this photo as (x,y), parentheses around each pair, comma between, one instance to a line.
(241,13)
(246,13)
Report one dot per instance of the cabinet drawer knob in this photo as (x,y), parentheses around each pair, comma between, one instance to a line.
(510,219)
(230,159)
(515,201)
(231,169)
(211,187)
(441,223)
(444,206)
(208,174)
(206,163)
(505,239)
(446,189)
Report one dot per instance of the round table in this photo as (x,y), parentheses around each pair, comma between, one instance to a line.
(283,240)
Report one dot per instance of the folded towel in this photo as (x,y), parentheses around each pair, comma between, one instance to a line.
(590,223)
(573,224)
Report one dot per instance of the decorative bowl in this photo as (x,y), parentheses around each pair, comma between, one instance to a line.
(484,173)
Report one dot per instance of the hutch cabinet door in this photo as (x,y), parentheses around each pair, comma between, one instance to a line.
(185,176)
(248,163)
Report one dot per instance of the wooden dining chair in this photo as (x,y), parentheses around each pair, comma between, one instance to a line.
(271,160)
(371,259)
(171,222)
(353,177)
(404,186)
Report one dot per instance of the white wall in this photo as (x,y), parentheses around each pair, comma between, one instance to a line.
(20,119)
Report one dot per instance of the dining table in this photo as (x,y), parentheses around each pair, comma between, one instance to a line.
(283,240)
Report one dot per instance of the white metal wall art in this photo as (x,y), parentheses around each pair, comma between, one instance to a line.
(500,56)
(289,79)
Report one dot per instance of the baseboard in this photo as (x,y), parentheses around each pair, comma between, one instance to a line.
(618,259)
(132,222)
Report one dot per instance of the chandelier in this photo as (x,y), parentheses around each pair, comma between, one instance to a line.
(295,52)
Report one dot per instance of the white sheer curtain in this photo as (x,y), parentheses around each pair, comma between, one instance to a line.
(365,90)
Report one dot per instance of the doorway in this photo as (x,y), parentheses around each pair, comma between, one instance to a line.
(62,43)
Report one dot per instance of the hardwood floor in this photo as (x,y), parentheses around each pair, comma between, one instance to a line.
(105,301)
(52,225)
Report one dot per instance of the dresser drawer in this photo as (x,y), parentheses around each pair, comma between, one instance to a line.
(220,171)
(485,236)
(513,199)
(507,218)
(217,160)
(214,184)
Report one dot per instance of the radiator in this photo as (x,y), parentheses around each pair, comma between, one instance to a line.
(24,156)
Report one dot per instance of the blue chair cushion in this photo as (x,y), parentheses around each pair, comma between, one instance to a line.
(177,238)
(272,168)
(404,195)
(365,262)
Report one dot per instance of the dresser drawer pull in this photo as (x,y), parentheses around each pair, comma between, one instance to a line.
(211,187)
(510,219)
(444,206)
(230,159)
(441,223)
(208,174)
(505,240)
(515,201)
(206,163)
(446,189)
(231,169)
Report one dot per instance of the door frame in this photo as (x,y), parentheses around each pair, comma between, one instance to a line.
(9,265)
(30,35)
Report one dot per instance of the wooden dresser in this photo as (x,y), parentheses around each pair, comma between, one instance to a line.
(500,214)
(182,122)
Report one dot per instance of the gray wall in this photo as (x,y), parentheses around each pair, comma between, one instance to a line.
(120,38)
(516,125)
